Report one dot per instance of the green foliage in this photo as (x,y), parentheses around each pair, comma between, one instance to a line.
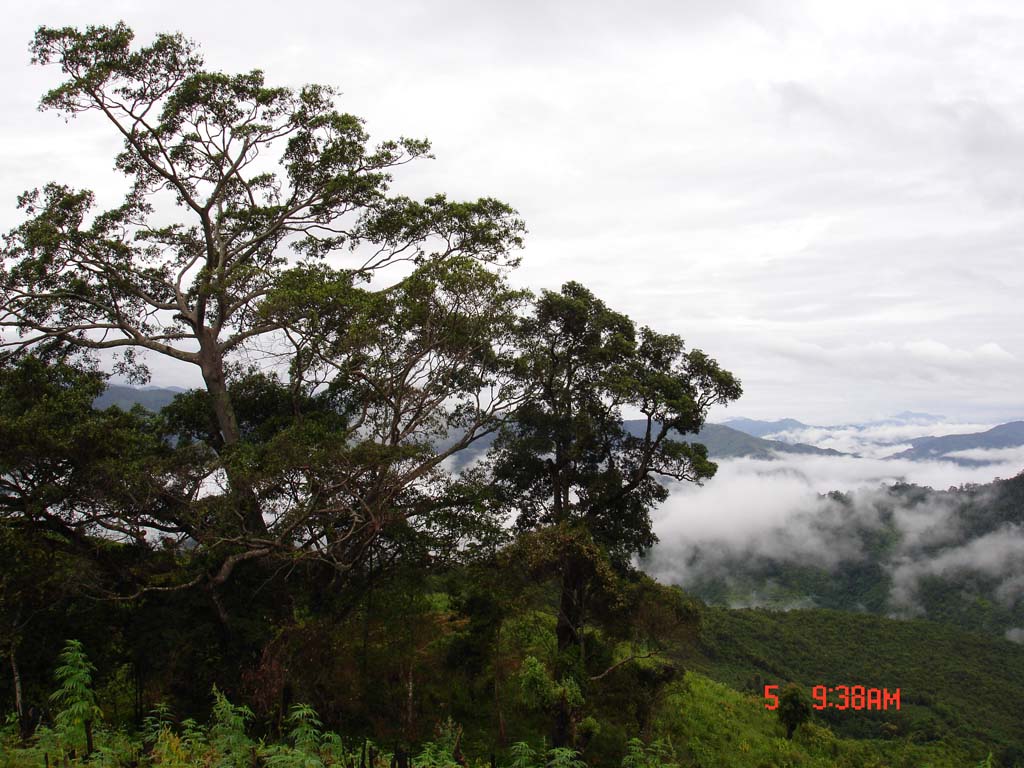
(714,726)
(536,687)
(657,754)
(228,732)
(540,691)
(523,756)
(310,747)
(794,708)
(435,755)
(74,698)
(159,719)
(953,684)
(564,757)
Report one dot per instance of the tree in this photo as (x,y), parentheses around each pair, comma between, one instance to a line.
(569,463)
(67,468)
(218,282)
(794,708)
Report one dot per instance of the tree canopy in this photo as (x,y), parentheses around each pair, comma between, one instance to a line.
(256,220)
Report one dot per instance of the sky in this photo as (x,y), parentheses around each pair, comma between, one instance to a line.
(825,197)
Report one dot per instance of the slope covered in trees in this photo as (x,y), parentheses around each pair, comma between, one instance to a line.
(955,556)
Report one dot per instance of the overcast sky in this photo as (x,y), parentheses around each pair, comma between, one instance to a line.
(826,197)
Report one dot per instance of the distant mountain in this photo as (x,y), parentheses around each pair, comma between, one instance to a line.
(759,428)
(1009,435)
(725,442)
(150,398)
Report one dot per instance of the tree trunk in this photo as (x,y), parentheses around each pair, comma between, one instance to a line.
(497,688)
(409,705)
(569,628)
(88,738)
(212,365)
(561,734)
(19,702)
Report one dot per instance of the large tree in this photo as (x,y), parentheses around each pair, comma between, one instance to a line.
(570,465)
(259,218)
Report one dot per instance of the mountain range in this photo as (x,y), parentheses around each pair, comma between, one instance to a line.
(735,438)
(722,441)
(150,398)
(955,448)
(947,447)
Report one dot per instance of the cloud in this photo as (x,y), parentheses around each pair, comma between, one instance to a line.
(888,438)
(1013,456)
(998,555)
(777,510)
(786,185)
(880,439)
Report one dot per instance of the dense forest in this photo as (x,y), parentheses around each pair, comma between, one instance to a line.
(291,566)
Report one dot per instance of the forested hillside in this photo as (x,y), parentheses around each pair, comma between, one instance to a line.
(954,556)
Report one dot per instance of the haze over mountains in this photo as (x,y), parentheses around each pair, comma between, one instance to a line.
(150,398)
(908,435)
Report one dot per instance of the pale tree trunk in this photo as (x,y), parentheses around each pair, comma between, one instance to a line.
(19,702)
(212,365)
(409,704)
(211,362)
(497,687)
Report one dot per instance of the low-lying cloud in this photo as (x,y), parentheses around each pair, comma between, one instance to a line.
(876,440)
(998,555)
(776,510)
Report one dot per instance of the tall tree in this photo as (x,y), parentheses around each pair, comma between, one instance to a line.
(254,172)
(569,463)
(127,280)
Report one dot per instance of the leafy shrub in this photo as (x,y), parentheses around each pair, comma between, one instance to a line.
(227,733)
(75,699)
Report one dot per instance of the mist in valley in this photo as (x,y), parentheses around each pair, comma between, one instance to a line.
(759,516)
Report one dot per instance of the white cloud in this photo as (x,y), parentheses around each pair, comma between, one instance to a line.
(776,509)
(821,196)
(997,555)
(1013,456)
(877,440)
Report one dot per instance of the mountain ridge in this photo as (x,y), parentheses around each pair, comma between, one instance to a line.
(1009,435)
(721,440)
